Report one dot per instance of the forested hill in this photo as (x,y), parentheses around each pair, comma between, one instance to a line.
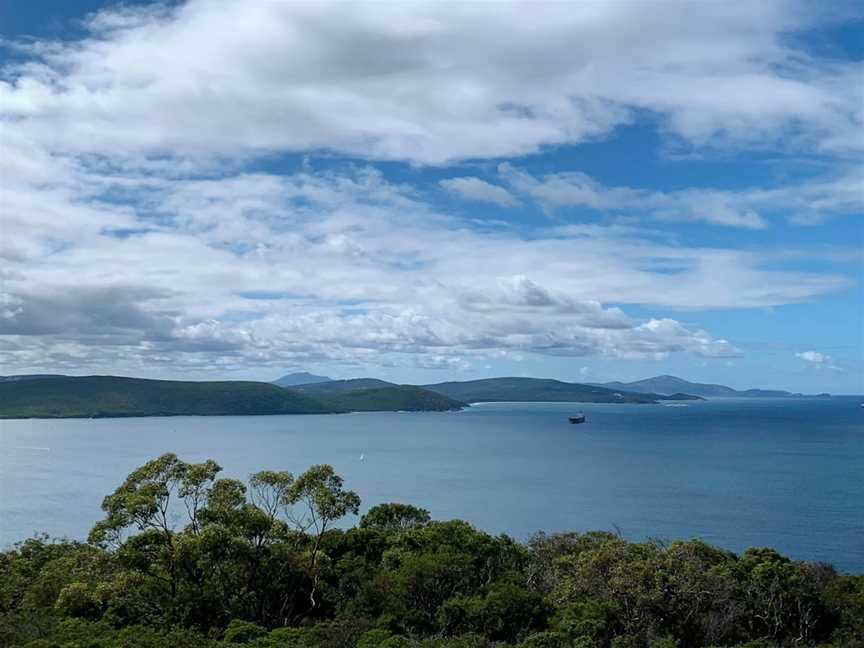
(671,384)
(394,398)
(106,396)
(114,396)
(335,386)
(53,396)
(538,389)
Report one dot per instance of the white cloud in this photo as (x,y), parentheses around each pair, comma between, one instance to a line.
(429,82)
(479,190)
(819,360)
(807,202)
(135,238)
(814,356)
(265,270)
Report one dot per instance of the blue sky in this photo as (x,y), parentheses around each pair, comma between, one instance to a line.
(199,190)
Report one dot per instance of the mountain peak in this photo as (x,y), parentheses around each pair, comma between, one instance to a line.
(300,378)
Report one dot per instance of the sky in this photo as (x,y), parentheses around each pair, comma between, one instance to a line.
(434,191)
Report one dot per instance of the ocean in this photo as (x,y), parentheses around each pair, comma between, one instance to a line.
(784,473)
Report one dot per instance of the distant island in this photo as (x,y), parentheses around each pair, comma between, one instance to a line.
(544,390)
(513,389)
(672,384)
(58,396)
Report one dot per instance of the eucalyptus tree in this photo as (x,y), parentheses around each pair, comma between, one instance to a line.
(232,546)
(394,517)
(149,500)
(322,500)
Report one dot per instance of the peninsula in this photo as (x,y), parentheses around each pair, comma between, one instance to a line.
(116,396)
(58,396)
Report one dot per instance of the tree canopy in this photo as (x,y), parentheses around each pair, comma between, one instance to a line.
(185,558)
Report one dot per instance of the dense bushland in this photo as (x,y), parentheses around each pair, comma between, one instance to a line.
(183,558)
(117,396)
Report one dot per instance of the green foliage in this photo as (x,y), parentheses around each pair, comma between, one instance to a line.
(393,518)
(536,389)
(505,612)
(239,631)
(320,490)
(666,642)
(76,633)
(100,396)
(547,639)
(112,396)
(398,398)
(183,558)
(378,637)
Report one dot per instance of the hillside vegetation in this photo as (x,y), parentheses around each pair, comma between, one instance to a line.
(104,396)
(404,398)
(53,396)
(672,384)
(112,396)
(535,389)
(261,564)
(352,384)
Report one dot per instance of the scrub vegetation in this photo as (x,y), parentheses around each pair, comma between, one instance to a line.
(184,558)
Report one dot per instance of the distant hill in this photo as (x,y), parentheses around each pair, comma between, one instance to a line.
(334,386)
(536,389)
(29,377)
(48,396)
(678,396)
(673,384)
(106,396)
(300,378)
(395,398)
(114,396)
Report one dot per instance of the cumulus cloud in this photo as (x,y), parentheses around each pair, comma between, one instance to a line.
(344,266)
(818,360)
(236,79)
(814,356)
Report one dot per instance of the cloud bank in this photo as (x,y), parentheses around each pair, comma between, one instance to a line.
(429,82)
(345,266)
(143,230)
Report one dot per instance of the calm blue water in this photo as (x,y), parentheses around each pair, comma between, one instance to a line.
(737,473)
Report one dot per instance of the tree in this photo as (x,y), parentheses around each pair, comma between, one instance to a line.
(144,500)
(323,501)
(184,559)
(393,518)
(505,612)
(148,500)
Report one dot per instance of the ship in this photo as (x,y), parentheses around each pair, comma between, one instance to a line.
(578,418)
